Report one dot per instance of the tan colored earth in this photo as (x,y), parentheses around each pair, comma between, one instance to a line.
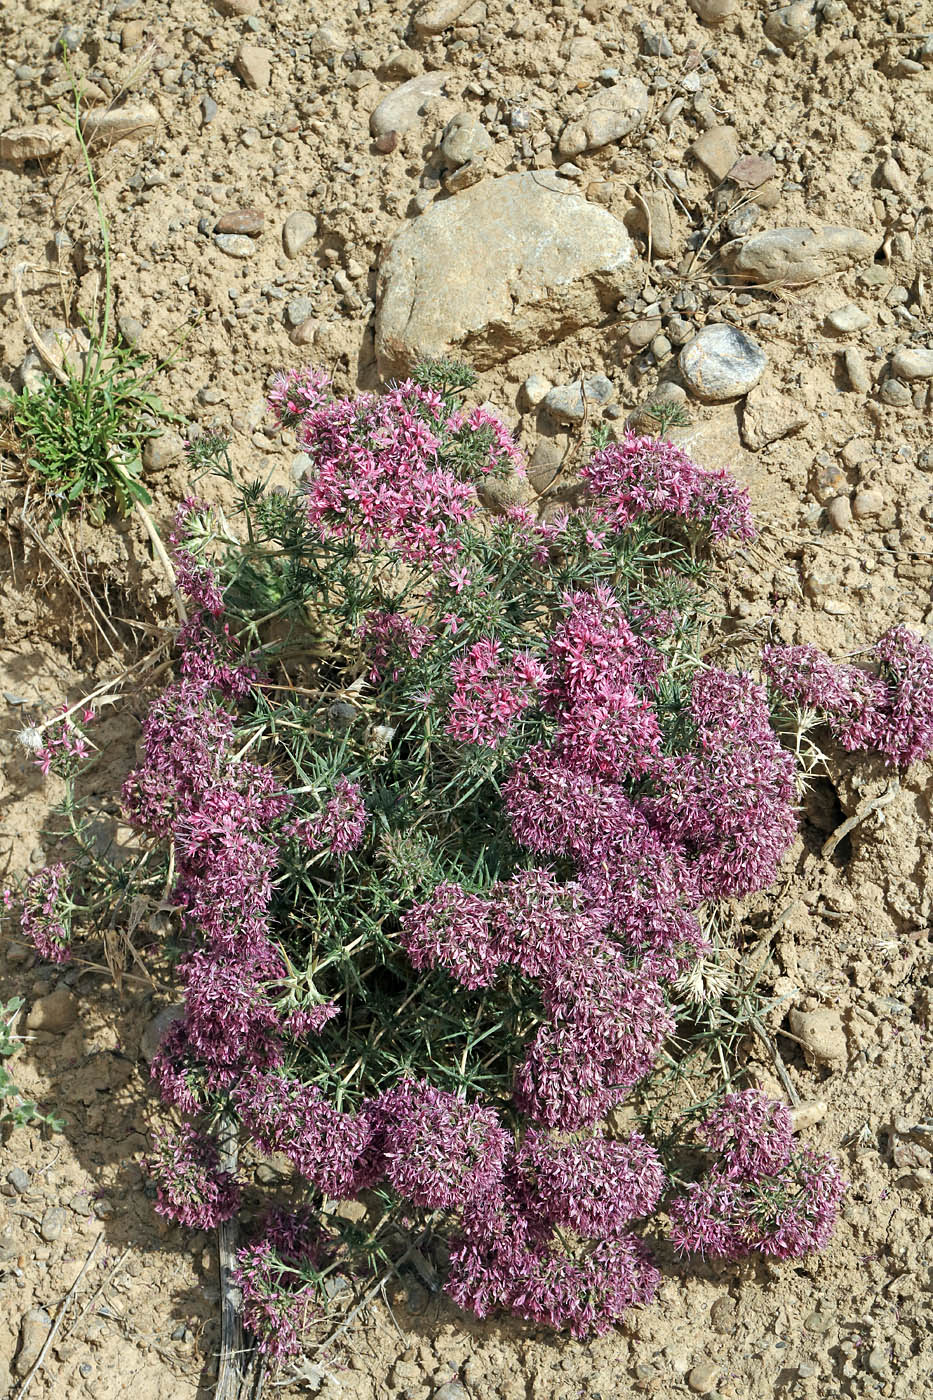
(834,444)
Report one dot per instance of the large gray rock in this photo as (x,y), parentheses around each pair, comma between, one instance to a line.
(401,109)
(794,256)
(607,116)
(505,266)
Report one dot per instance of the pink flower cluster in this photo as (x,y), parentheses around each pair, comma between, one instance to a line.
(339,826)
(390,640)
(761,1194)
(728,801)
(379,480)
(891,712)
(652,476)
(65,748)
(45,916)
(191,1187)
(279,1301)
(490,691)
(437,1151)
(295,393)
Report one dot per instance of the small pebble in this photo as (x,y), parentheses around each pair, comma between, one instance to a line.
(130,328)
(790,25)
(235,245)
(867,503)
(18,1179)
(464,138)
(857,371)
(209,109)
(566,402)
(297,232)
(818,1323)
(298,310)
(641,333)
(847,319)
(386,143)
(714,11)
(159,452)
(702,1379)
(535,388)
(895,393)
(254,66)
(839,513)
(53,1223)
(241,221)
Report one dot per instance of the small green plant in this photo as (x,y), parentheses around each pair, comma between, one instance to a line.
(82,431)
(14,1108)
(82,435)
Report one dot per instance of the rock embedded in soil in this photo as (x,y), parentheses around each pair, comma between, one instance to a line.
(607,116)
(254,65)
(451,1390)
(246,221)
(133,122)
(717,150)
(235,245)
(53,1223)
(40,142)
(33,1331)
(506,266)
(768,416)
(714,11)
(895,394)
(464,138)
(912,362)
(56,1012)
(534,389)
(857,371)
(839,514)
(848,319)
(807,1114)
(702,1379)
(160,452)
(401,110)
(439,15)
(821,1035)
(237,9)
(721,362)
(566,404)
(794,256)
(18,1179)
(297,232)
(790,25)
(867,503)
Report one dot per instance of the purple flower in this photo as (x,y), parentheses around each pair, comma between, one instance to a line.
(450,929)
(439,1152)
(279,1302)
(752,1134)
(191,1187)
(651,476)
(906,733)
(46,914)
(340,826)
(295,393)
(595,1186)
(489,692)
(540,925)
(390,640)
(378,478)
(331,1149)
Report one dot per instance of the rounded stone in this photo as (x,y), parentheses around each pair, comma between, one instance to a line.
(895,394)
(839,514)
(912,362)
(721,362)
(53,1223)
(242,221)
(846,319)
(297,232)
(464,138)
(235,245)
(790,25)
(535,388)
(566,403)
(702,1379)
(867,503)
(713,11)
(159,452)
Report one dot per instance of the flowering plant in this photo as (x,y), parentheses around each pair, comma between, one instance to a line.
(446,792)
